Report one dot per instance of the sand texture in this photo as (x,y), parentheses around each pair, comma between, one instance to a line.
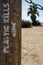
(32,46)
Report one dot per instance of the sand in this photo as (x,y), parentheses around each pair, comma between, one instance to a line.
(32,46)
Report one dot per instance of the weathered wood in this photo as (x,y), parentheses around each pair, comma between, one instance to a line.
(14,55)
(2,57)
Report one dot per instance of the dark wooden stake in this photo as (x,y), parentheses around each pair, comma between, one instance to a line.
(13,57)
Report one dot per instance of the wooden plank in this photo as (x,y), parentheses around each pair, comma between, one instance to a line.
(15,42)
(13,57)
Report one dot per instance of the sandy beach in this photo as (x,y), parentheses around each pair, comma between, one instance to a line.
(32,46)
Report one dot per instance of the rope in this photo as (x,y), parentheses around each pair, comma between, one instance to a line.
(38,5)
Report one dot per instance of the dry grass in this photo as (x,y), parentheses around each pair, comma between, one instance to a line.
(32,46)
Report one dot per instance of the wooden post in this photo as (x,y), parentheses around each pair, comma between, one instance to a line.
(10,35)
